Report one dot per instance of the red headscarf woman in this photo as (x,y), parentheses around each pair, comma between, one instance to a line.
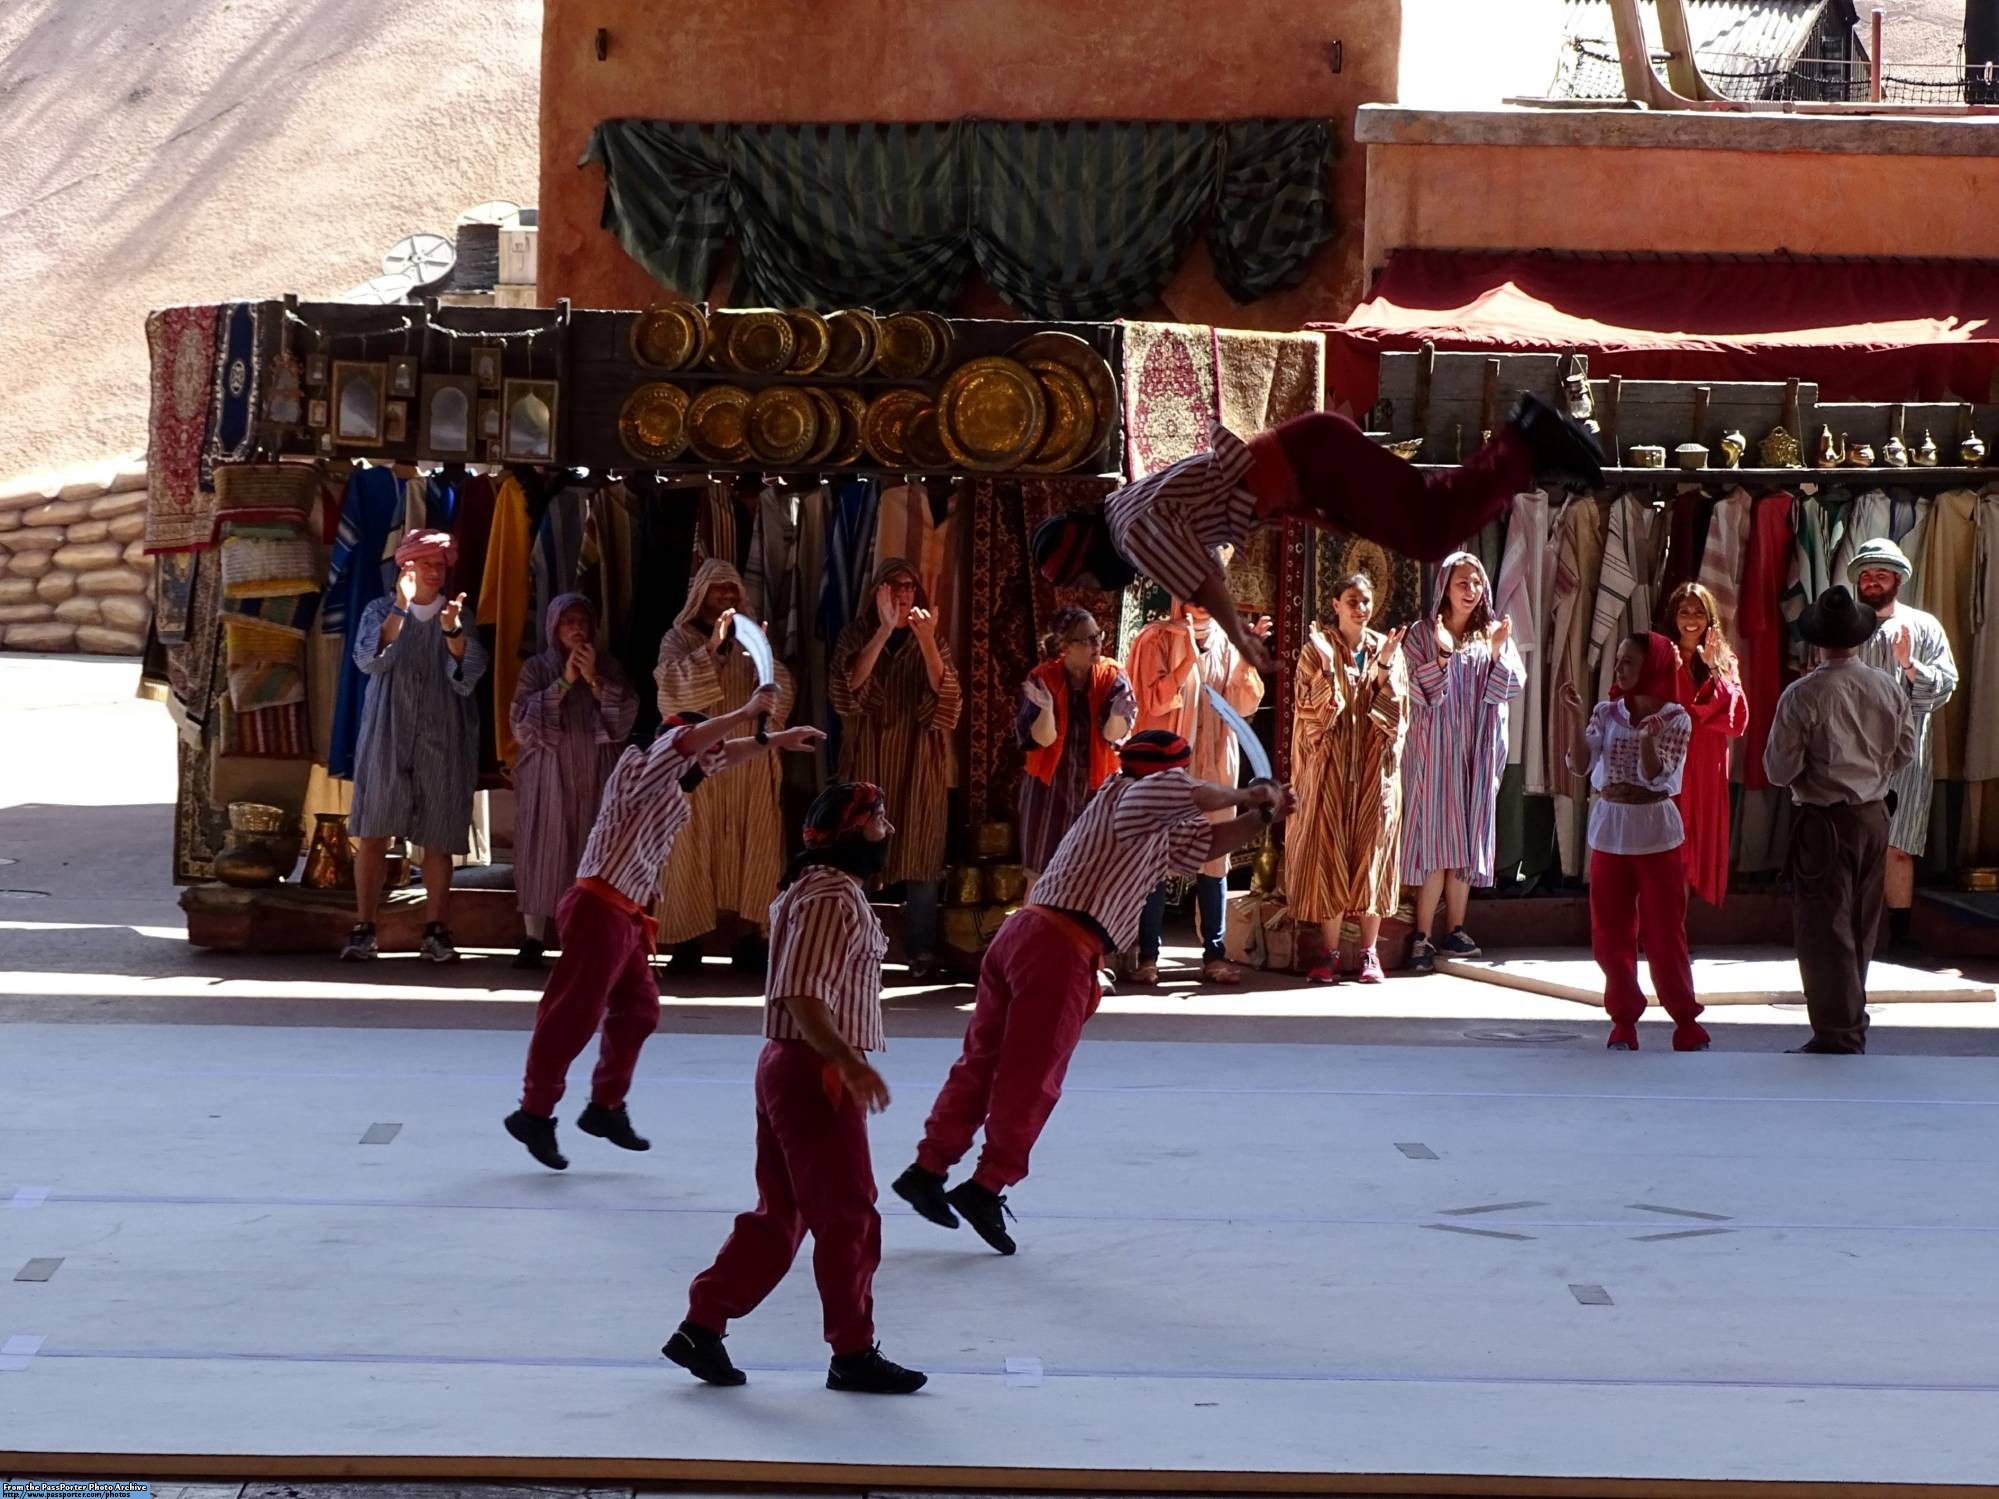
(1634,748)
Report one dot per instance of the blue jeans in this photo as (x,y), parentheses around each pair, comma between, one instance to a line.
(1208,913)
(919,917)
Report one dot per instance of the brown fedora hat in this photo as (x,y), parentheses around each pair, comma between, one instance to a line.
(1837,621)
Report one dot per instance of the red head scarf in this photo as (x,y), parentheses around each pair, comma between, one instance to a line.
(1661,677)
(416,545)
(840,811)
(1152,751)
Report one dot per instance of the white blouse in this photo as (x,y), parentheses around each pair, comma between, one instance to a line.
(1636,827)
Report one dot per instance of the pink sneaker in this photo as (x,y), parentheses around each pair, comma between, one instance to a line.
(1370,968)
(1325,971)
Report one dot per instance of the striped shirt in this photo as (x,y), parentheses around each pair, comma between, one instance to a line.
(1168,524)
(643,811)
(826,942)
(1129,838)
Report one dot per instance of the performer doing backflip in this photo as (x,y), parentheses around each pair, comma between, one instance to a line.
(604,975)
(814,1091)
(1318,468)
(1038,982)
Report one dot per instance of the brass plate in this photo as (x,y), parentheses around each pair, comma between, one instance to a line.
(1066,348)
(947,339)
(653,422)
(992,414)
(1071,419)
(885,430)
(852,334)
(829,426)
(782,424)
(669,336)
(925,440)
(853,413)
(761,343)
(716,424)
(814,340)
(907,347)
(717,357)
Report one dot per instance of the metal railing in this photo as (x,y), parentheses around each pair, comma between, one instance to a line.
(1590,70)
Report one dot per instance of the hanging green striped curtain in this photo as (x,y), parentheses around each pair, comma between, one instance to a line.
(1065,219)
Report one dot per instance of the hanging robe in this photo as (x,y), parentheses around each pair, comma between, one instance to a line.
(1526,596)
(1578,563)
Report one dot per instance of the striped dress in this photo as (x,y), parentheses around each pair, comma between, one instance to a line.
(732,852)
(1343,846)
(1456,754)
(1936,681)
(826,943)
(899,733)
(418,753)
(569,739)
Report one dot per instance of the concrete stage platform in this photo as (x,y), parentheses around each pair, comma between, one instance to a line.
(251,1252)
(1729,976)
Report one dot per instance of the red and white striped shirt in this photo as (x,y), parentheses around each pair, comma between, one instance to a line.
(643,811)
(1168,524)
(1130,836)
(826,942)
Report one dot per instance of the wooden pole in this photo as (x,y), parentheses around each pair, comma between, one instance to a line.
(1874,60)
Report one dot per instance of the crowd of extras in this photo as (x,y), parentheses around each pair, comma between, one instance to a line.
(1130,781)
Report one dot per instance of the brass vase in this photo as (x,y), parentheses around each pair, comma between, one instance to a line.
(329,863)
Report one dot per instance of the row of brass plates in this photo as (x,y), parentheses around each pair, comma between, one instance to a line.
(842,345)
(1043,408)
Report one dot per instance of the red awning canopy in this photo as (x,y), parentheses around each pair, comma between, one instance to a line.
(1863,330)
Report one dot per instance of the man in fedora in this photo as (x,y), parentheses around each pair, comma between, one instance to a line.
(1842,733)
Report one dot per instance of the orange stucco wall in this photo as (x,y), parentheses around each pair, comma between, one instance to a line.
(1666,200)
(895,60)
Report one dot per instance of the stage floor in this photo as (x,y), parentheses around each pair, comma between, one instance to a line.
(1299,1268)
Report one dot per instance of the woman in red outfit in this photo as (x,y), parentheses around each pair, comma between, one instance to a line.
(1710,689)
(1633,749)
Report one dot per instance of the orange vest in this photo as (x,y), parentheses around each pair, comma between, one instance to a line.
(1043,758)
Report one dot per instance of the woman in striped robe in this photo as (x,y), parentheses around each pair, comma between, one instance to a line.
(1463,671)
(732,852)
(892,682)
(572,712)
(1343,851)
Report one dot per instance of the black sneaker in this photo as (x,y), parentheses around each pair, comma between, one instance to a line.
(1422,956)
(1459,945)
(537,1132)
(924,1191)
(700,1353)
(614,1125)
(529,957)
(436,945)
(871,1374)
(987,1212)
(361,946)
(1562,447)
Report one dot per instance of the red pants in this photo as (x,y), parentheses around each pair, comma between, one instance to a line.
(1352,483)
(814,1175)
(1630,894)
(1037,986)
(604,976)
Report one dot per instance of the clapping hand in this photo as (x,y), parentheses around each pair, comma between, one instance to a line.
(1709,648)
(406,587)
(1391,647)
(886,609)
(572,669)
(1037,694)
(721,634)
(585,659)
(1905,647)
(922,623)
(1501,635)
(1570,698)
(447,617)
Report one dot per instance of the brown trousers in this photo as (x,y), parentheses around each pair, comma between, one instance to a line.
(1838,856)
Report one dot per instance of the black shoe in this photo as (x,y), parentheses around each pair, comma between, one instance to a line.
(361,944)
(750,956)
(614,1125)
(529,957)
(1422,956)
(537,1132)
(924,1191)
(1818,1048)
(871,1374)
(700,1353)
(1562,447)
(1458,944)
(686,957)
(987,1212)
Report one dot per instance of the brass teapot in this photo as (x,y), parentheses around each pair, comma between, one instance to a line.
(1858,454)
(1926,451)
(329,862)
(1972,450)
(1829,454)
(1894,453)
(1733,446)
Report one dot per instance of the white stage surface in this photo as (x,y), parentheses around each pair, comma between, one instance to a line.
(1300,1268)
(1722,976)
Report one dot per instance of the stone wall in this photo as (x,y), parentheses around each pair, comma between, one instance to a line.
(74,575)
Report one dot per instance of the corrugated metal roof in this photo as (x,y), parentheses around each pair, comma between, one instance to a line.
(1773,29)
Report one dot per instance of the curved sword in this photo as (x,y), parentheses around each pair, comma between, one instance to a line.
(747,633)
(1252,747)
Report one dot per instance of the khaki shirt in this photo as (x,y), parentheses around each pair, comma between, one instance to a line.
(1840,734)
